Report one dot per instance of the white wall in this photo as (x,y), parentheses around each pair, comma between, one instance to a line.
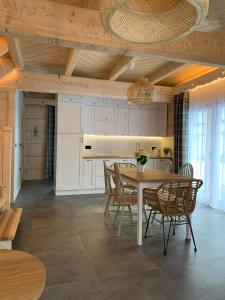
(18,143)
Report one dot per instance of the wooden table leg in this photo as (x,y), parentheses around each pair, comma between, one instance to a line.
(139,214)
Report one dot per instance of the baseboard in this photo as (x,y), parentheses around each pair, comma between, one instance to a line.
(78,192)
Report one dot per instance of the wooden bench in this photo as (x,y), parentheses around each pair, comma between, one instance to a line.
(9,220)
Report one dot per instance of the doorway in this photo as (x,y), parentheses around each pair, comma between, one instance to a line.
(38,138)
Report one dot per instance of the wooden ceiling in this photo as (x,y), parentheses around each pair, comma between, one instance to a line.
(39,56)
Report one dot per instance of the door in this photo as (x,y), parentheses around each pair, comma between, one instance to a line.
(70,117)
(18,144)
(69,164)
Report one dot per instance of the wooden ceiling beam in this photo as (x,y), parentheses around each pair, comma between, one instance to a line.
(6,66)
(72,61)
(49,83)
(199,81)
(165,71)
(81,28)
(4,46)
(121,67)
(16,53)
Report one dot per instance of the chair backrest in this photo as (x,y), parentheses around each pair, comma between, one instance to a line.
(169,167)
(187,170)
(178,198)
(105,177)
(108,182)
(118,179)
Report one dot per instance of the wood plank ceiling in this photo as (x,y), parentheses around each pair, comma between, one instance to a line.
(40,57)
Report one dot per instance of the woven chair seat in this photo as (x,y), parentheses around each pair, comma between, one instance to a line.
(126,200)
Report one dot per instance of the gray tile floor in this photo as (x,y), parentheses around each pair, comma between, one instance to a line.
(86,260)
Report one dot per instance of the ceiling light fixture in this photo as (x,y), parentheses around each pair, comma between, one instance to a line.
(151,21)
(141,92)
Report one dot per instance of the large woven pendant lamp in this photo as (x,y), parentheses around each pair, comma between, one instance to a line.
(141,92)
(150,21)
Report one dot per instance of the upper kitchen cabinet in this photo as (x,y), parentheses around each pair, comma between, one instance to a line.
(138,122)
(158,120)
(70,117)
(105,113)
(122,121)
(104,120)
(89,119)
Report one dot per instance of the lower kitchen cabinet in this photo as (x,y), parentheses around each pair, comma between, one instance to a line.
(89,174)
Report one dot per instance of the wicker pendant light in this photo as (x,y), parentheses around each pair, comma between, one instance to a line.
(150,21)
(141,92)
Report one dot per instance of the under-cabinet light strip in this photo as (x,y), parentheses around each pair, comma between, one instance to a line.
(123,137)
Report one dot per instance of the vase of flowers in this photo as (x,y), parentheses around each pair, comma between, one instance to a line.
(166,151)
(142,158)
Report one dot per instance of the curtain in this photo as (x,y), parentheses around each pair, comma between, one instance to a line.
(181,106)
(206,143)
(49,167)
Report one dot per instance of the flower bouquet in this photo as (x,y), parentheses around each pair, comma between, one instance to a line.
(142,158)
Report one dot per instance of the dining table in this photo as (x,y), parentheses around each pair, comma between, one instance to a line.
(22,276)
(150,178)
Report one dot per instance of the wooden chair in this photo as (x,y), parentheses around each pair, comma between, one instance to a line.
(123,197)
(187,170)
(172,200)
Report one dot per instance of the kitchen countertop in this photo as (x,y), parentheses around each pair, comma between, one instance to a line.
(120,156)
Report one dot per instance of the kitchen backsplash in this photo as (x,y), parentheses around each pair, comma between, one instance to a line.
(122,145)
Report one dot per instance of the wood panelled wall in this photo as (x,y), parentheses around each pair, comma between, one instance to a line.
(3,109)
(35,144)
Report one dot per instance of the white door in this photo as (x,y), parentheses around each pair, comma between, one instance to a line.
(69,164)
(18,144)
(158,122)
(122,121)
(89,174)
(70,117)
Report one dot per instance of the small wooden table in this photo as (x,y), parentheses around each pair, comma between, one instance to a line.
(22,276)
(149,179)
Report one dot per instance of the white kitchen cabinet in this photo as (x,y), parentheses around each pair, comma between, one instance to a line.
(161,164)
(139,122)
(122,121)
(105,113)
(158,122)
(69,165)
(134,122)
(89,174)
(105,128)
(89,119)
(70,117)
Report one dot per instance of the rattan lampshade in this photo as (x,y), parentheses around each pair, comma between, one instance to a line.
(150,21)
(141,92)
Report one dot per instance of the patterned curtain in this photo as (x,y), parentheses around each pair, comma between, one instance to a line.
(181,107)
(49,167)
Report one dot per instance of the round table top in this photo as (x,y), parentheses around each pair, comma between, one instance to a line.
(22,276)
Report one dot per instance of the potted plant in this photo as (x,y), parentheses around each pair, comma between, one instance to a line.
(166,151)
(142,158)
